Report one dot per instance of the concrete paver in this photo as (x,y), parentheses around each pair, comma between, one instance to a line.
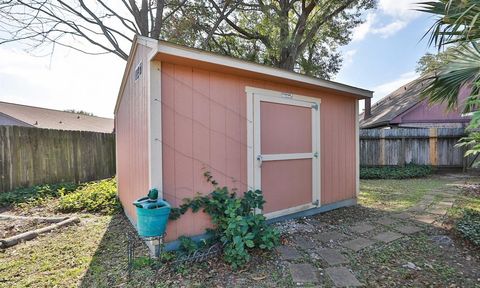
(342,277)
(358,244)
(362,227)
(288,253)
(387,237)
(332,256)
(303,273)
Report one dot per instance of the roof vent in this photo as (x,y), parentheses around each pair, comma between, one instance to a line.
(138,70)
(36,123)
(60,122)
(78,117)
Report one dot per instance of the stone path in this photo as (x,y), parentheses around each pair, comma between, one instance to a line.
(332,245)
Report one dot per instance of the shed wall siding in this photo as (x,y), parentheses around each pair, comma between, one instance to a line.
(132,136)
(205,129)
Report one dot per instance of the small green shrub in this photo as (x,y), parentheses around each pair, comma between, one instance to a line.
(36,194)
(187,244)
(393,172)
(237,225)
(95,197)
(469,226)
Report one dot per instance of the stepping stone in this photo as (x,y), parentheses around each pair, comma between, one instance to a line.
(303,273)
(425,218)
(332,256)
(428,197)
(387,237)
(288,253)
(437,211)
(408,229)
(386,221)
(330,236)
(362,228)
(358,244)
(305,243)
(418,208)
(402,216)
(342,277)
(442,240)
(444,204)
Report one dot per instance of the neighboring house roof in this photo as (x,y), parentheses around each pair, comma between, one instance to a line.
(31,116)
(405,106)
(394,104)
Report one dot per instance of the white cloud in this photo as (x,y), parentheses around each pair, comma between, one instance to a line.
(388,87)
(361,31)
(390,29)
(400,9)
(391,17)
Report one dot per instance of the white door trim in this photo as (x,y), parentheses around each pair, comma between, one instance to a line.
(254,96)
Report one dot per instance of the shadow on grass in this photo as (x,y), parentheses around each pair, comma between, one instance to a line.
(108,267)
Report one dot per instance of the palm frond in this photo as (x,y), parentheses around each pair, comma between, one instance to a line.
(458,21)
(463,70)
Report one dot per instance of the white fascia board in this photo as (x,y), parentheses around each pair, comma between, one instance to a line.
(209,57)
(137,40)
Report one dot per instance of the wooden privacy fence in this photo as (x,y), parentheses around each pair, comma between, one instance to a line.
(31,156)
(397,147)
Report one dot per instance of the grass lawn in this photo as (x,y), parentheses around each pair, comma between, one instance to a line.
(397,195)
(94,252)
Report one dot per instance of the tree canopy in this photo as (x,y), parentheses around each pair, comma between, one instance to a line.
(300,35)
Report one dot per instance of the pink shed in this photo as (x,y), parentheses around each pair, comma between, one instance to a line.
(182,111)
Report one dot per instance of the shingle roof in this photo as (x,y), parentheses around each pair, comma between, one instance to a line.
(55,119)
(392,105)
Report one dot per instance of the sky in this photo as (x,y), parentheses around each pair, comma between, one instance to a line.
(381,57)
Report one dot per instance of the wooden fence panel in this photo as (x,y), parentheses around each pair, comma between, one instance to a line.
(397,147)
(31,156)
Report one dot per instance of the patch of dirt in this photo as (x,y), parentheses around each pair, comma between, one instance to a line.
(12,227)
(472,190)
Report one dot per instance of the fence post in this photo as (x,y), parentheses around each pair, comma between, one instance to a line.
(433,146)
(382,147)
(401,157)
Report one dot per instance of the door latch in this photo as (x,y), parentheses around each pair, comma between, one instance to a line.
(260,160)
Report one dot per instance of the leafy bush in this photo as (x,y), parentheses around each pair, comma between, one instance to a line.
(469,226)
(187,244)
(96,197)
(237,225)
(36,194)
(393,172)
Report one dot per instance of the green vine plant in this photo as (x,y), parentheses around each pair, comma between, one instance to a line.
(237,225)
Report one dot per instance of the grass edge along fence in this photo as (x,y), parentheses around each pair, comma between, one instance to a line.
(434,147)
(33,156)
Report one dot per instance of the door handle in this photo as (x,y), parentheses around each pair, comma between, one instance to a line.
(260,160)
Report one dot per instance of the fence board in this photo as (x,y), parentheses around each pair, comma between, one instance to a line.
(31,156)
(397,147)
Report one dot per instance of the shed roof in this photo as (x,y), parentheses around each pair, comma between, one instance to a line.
(55,119)
(163,50)
(394,104)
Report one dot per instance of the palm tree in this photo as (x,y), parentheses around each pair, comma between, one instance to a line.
(458,25)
